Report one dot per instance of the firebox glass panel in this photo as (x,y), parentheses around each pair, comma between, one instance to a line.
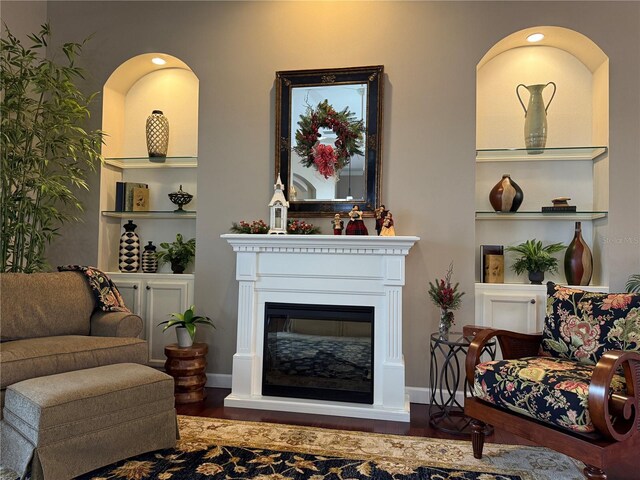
(322,352)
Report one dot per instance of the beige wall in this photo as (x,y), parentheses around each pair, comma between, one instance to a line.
(429,50)
(23,18)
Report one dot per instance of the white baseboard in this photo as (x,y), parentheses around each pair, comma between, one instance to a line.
(218,380)
(416,394)
(423,395)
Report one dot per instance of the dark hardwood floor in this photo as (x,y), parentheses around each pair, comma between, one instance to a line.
(213,406)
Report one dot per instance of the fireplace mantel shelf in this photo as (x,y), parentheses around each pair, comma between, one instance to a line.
(355,270)
(321,243)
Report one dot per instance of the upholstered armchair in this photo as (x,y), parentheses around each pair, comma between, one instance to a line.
(574,388)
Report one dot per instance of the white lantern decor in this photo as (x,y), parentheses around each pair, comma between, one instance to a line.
(278,209)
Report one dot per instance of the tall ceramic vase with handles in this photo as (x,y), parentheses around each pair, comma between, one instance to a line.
(535,116)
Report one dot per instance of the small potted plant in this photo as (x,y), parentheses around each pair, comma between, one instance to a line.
(535,259)
(185,324)
(179,253)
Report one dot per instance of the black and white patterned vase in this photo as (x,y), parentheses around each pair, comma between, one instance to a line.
(149,259)
(129,259)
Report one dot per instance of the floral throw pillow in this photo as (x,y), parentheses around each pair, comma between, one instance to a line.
(582,326)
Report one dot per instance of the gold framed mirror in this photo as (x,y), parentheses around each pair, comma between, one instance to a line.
(329,139)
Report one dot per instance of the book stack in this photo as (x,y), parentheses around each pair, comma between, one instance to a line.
(560,205)
(132,197)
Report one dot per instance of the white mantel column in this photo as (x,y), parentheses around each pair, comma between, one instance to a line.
(393,367)
(245,360)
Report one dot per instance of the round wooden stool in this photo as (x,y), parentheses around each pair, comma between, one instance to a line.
(187,366)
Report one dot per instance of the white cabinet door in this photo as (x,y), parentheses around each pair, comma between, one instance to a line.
(519,308)
(162,298)
(130,289)
(155,297)
(518,312)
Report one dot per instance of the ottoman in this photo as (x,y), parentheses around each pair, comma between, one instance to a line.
(64,425)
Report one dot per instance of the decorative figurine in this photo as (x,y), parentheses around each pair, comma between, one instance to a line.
(356,225)
(380,213)
(337,224)
(278,209)
(388,229)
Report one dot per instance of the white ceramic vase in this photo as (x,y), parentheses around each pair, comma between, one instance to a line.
(184,339)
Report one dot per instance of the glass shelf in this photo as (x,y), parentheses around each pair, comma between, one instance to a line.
(586,216)
(152,214)
(144,162)
(546,154)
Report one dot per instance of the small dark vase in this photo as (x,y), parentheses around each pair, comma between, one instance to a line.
(506,195)
(578,261)
(536,278)
(177,267)
(149,259)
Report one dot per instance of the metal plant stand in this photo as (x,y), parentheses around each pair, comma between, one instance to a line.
(447,371)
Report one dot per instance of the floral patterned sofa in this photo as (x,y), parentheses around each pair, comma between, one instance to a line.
(573,388)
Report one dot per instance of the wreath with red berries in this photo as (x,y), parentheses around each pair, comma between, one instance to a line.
(328,159)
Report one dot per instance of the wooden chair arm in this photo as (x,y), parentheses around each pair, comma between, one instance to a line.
(512,344)
(615,415)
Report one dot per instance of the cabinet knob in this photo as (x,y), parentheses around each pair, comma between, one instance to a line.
(148,287)
(135,287)
(533,300)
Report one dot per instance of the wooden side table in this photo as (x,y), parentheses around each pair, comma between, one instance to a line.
(187,366)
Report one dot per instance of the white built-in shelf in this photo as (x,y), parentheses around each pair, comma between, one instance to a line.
(152,214)
(543,154)
(146,162)
(579,216)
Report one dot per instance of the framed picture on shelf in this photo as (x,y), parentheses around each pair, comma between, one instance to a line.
(492,263)
(124,196)
(140,199)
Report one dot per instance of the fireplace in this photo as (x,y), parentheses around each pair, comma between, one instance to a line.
(322,352)
(359,273)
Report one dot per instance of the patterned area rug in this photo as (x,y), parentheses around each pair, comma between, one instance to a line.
(212,448)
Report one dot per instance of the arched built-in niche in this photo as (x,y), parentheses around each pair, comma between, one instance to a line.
(577,117)
(136,88)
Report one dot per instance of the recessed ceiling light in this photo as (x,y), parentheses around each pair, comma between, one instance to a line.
(535,37)
(158,61)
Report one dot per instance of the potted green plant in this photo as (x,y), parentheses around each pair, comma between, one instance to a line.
(185,324)
(633,284)
(178,253)
(45,151)
(535,259)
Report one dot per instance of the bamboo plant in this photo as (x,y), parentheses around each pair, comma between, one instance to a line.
(45,152)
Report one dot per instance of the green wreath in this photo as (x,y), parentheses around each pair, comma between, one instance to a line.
(328,159)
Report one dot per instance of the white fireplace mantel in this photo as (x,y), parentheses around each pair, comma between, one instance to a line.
(324,270)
